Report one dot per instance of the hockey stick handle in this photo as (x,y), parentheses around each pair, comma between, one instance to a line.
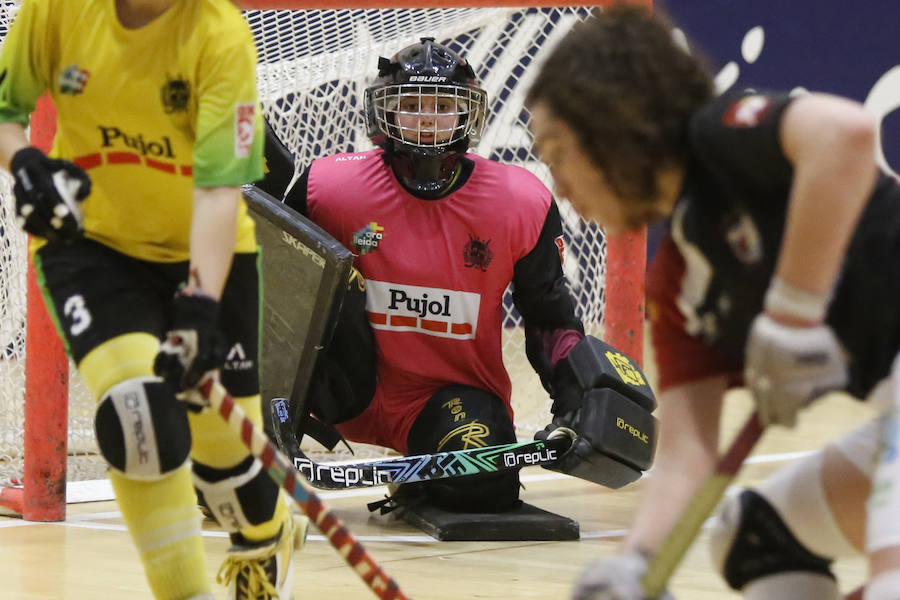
(704,501)
(279,468)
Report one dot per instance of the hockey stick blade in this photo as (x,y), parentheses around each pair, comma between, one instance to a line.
(279,468)
(682,535)
(407,469)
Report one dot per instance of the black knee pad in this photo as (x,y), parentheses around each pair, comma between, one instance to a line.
(460,417)
(142,429)
(759,543)
(239,497)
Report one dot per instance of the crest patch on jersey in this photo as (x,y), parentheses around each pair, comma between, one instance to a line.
(244,120)
(175,95)
(72,80)
(478,253)
(747,112)
(561,246)
(368,238)
(745,241)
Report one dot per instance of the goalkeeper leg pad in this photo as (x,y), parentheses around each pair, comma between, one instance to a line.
(142,429)
(240,497)
(615,439)
(461,417)
(759,555)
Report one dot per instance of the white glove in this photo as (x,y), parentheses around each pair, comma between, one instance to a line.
(616,578)
(788,367)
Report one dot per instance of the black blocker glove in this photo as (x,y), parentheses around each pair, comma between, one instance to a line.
(194,345)
(48,195)
(602,397)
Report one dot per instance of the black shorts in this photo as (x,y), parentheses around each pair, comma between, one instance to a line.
(99,293)
(864,312)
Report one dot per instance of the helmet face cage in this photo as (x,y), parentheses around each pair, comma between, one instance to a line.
(427,116)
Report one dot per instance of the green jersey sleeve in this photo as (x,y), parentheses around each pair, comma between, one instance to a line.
(24,70)
(228,148)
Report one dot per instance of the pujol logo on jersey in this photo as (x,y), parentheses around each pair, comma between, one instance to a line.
(368,238)
(432,311)
(244,129)
(113,137)
(72,80)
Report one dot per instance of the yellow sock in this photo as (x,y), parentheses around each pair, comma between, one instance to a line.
(270,528)
(164,523)
(216,445)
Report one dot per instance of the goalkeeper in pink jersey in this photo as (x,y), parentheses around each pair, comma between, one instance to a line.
(438,234)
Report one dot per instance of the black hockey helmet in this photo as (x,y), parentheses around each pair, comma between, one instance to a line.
(425,108)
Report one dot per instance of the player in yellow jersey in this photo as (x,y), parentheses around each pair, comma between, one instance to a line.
(140,204)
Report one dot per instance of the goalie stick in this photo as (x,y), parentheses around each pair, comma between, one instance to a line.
(407,469)
(279,468)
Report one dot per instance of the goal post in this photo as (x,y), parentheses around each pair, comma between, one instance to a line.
(315,60)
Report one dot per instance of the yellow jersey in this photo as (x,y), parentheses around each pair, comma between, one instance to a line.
(149,113)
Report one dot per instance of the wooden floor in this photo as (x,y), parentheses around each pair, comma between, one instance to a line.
(90,555)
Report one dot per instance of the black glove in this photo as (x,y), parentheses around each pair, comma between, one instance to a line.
(194,345)
(48,192)
(602,396)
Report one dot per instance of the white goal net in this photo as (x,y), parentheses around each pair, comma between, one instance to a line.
(313,68)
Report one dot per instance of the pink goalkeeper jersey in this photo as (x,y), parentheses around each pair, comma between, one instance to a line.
(435,273)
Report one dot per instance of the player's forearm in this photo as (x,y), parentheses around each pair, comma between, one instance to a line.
(686,454)
(830,143)
(213,233)
(12,139)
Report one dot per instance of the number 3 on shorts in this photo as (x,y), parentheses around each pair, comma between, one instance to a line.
(77,313)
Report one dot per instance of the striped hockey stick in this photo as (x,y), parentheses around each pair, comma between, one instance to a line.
(408,469)
(682,535)
(279,468)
